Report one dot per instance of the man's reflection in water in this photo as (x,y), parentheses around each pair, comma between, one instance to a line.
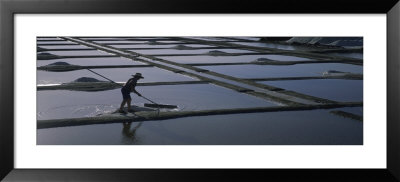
(129,135)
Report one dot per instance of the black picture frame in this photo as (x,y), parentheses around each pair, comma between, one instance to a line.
(8,8)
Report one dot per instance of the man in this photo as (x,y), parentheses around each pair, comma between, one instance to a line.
(127,89)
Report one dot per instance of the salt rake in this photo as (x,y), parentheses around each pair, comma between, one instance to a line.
(154,104)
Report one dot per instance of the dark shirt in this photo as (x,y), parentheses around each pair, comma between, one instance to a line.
(130,85)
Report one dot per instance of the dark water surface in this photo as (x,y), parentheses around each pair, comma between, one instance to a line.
(317,127)
(349,55)
(354,110)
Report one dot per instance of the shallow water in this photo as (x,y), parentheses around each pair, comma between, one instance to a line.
(353,110)
(168,41)
(332,89)
(55,42)
(227,59)
(349,55)
(276,46)
(317,127)
(92,61)
(215,39)
(78,53)
(272,71)
(102,38)
(148,38)
(120,41)
(49,38)
(150,74)
(246,38)
(285,58)
(63,46)
(196,51)
(56,104)
(157,46)
(46,77)
(287,128)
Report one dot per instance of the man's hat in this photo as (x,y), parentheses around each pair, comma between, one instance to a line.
(138,75)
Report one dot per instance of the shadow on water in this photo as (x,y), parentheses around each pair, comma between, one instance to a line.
(128,134)
(163,134)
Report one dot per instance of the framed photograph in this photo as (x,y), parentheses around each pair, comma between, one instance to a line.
(129,90)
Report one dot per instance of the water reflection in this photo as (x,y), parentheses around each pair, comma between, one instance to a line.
(214,59)
(128,134)
(273,71)
(314,127)
(332,89)
(195,51)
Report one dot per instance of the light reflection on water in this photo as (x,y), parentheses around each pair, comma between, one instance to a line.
(150,74)
(119,41)
(57,104)
(54,42)
(272,71)
(46,77)
(349,55)
(332,89)
(229,59)
(196,51)
(282,128)
(63,46)
(47,38)
(78,53)
(275,128)
(214,39)
(157,46)
(91,61)
(276,46)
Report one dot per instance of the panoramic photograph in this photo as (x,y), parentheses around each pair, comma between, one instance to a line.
(114,90)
